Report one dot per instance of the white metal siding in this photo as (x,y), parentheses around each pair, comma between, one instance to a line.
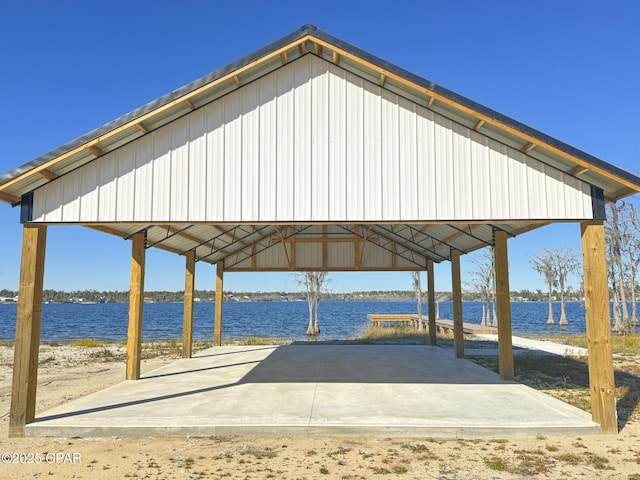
(311,142)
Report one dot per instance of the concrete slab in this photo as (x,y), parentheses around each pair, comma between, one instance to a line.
(382,390)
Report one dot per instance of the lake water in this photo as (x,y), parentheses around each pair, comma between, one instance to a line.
(285,320)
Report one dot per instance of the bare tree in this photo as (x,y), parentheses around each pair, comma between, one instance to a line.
(634,260)
(417,288)
(622,257)
(543,264)
(313,282)
(483,282)
(565,261)
(555,265)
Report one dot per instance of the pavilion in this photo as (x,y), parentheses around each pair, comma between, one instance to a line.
(311,154)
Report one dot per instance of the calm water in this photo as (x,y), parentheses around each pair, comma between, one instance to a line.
(288,320)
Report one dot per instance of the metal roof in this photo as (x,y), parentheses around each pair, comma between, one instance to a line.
(237,244)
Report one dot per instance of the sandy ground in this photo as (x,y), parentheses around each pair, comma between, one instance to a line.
(68,372)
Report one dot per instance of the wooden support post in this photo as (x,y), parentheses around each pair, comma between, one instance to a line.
(503,307)
(136,303)
(596,299)
(189,287)
(431,299)
(456,287)
(217,328)
(28,317)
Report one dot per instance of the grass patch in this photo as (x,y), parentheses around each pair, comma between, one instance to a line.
(394,334)
(87,343)
(496,463)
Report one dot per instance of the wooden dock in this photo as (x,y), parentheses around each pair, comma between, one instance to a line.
(444,326)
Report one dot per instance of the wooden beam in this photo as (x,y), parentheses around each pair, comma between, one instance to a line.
(478,125)
(431,101)
(254,257)
(96,150)
(284,57)
(431,301)
(136,304)
(140,126)
(189,104)
(596,299)
(217,325)
(48,174)
(317,49)
(503,307)
(28,319)
(577,170)
(302,48)
(383,79)
(456,288)
(527,147)
(615,196)
(336,57)
(236,79)
(325,256)
(8,198)
(189,287)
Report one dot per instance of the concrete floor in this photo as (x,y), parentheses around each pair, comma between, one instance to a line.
(398,390)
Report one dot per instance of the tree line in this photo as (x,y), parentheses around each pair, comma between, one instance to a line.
(555,265)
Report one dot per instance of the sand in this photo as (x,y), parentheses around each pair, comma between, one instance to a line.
(69,372)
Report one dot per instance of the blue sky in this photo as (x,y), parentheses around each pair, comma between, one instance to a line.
(566,68)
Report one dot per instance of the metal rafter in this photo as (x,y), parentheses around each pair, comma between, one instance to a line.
(385,246)
(419,248)
(243,242)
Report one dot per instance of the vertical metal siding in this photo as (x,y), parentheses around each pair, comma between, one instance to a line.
(197,165)
(518,204)
(89,195)
(125,183)
(321,160)
(389,156)
(352,191)
(480,176)
(161,175)
(214,203)
(311,142)
(250,152)
(427,180)
(302,181)
(107,193)
(372,153)
(445,181)
(285,139)
(462,174)
(536,189)
(143,195)
(408,171)
(499,183)
(268,148)
(337,150)
(232,159)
